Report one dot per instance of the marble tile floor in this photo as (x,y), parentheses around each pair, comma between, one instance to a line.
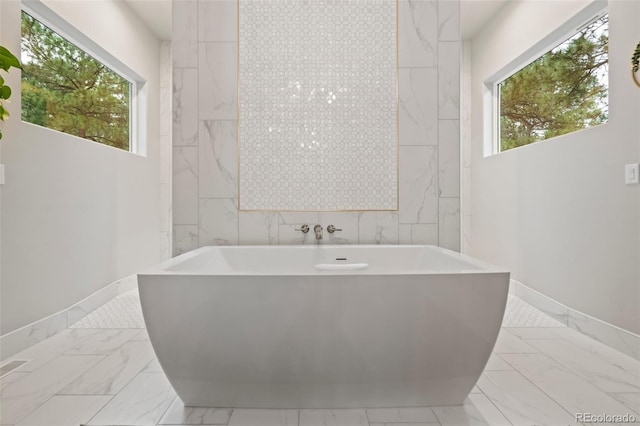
(541,373)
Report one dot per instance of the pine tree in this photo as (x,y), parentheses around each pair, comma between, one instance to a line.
(561,92)
(65,89)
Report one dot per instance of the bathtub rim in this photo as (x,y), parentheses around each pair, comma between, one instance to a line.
(162,268)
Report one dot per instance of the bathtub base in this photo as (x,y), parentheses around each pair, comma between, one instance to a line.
(433,393)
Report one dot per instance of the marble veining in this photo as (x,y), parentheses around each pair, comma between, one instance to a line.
(218,152)
(418,32)
(449,80)
(178,414)
(629,399)
(449,223)
(217,79)
(401,415)
(564,386)
(449,158)
(615,337)
(476,410)
(508,343)
(111,375)
(29,335)
(69,410)
(45,351)
(521,402)
(141,402)
(348,417)
(213,213)
(496,363)
(11,378)
(103,342)
(185,238)
(602,374)
(217,20)
(599,349)
(185,185)
(258,228)
(185,109)
(418,234)
(24,396)
(449,21)
(603,332)
(418,184)
(248,417)
(185,34)
(418,106)
(378,227)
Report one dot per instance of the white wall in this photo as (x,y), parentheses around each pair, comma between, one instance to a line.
(77,215)
(557,213)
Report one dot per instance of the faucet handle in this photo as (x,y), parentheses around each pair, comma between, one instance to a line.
(331,229)
(304,229)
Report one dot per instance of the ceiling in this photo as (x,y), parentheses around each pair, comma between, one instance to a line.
(474,14)
(156,14)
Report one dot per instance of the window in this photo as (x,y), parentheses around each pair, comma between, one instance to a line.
(562,91)
(66,89)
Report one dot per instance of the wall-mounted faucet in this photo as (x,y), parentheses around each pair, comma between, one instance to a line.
(318,230)
(304,229)
(331,229)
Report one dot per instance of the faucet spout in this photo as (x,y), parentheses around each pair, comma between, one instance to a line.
(318,230)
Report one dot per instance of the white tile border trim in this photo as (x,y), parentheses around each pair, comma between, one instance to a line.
(24,337)
(608,334)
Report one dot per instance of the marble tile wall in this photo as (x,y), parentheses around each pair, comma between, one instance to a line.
(465,142)
(204,162)
(166,72)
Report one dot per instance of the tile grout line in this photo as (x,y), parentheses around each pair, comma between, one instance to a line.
(540,389)
(491,400)
(164,413)
(51,395)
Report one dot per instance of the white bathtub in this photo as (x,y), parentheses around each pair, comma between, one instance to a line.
(277,327)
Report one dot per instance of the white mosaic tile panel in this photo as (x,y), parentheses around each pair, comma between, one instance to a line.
(520,314)
(318,105)
(123,311)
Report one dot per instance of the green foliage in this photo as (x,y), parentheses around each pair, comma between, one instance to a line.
(635,59)
(7,60)
(563,91)
(65,89)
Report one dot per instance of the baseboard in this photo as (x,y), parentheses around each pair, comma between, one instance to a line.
(609,334)
(24,337)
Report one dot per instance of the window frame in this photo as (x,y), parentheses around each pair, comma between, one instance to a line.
(137,116)
(491,90)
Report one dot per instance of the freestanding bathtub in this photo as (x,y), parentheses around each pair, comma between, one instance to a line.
(323,326)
